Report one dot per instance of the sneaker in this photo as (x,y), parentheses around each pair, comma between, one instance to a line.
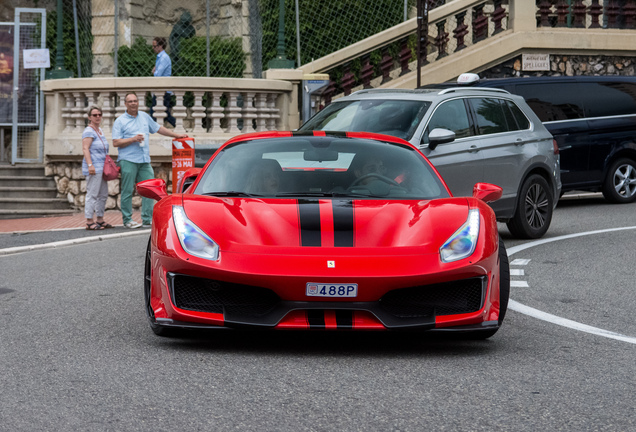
(146,225)
(132,225)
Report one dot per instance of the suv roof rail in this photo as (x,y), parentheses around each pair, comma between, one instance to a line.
(384,90)
(486,89)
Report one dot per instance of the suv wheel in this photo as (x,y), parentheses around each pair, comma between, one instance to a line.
(620,183)
(534,209)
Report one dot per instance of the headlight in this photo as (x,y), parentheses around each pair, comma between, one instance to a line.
(462,243)
(193,240)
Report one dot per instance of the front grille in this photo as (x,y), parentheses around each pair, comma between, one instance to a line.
(206,295)
(457,297)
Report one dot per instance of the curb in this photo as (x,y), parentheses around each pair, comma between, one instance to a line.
(53,245)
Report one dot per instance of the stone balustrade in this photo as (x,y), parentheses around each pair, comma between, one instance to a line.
(211,110)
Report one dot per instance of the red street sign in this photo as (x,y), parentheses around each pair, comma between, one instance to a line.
(182,159)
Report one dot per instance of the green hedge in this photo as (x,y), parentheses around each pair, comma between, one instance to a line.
(227,58)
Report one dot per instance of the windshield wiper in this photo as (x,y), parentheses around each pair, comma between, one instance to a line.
(322,194)
(303,194)
(231,194)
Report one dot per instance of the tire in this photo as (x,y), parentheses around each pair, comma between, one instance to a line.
(620,183)
(504,293)
(534,209)
(159,330)
(504,281)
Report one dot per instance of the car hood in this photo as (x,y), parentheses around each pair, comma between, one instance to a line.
(236,223)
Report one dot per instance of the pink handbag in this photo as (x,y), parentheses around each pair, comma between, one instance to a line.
(111,170)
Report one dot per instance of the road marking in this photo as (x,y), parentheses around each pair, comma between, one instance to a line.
(516,272)
(81,240)
(527,310)
(519,261)
(519,284)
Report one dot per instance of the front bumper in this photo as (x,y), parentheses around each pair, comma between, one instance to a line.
(240,306)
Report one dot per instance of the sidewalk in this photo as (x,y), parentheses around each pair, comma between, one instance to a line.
(74,221)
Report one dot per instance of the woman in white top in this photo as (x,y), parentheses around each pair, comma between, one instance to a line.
(95,149)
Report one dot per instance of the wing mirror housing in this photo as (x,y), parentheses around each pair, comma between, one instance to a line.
(440,136)
(187,179)
(154,189)
(487,192)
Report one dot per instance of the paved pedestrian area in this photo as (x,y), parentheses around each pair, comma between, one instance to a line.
(74,221)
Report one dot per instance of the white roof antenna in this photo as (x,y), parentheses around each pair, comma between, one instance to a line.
(468,79)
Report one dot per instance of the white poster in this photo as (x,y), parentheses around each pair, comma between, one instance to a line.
(36,58)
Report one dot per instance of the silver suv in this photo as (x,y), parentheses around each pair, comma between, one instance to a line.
(471,135)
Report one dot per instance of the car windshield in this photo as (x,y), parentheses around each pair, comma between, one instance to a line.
(327,166)
(398,118)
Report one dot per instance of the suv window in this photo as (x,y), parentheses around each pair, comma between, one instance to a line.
(451,115)
(609,98)
(552,102)
(398,118)
(520,118)
(492,115)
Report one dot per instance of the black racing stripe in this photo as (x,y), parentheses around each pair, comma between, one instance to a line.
(303,133)
(309,214)
(343,223)
(344,319)
(316,319)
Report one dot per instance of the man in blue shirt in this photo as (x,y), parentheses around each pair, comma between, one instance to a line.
(162,68)
(130,136)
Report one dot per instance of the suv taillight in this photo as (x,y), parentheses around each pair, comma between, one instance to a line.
(556,147)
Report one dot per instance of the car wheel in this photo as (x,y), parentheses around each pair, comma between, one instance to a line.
(504,293)
(620,183)
(534,209)
(504,281)
(158,329)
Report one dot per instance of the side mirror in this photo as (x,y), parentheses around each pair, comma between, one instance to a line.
(440,136)
(154,189)
(187,179)
(487,192)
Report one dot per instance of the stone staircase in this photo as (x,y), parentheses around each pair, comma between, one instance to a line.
(26,192)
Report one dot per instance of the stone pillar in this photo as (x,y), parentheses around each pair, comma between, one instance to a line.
(103,27)
(522,16)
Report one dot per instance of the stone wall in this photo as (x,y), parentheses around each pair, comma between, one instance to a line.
(567,65)
(7,7)
(71,184)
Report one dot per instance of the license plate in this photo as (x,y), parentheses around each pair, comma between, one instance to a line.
(332,290)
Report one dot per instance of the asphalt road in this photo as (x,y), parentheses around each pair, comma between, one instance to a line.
(76,352)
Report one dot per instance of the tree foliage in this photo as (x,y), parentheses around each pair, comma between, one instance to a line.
(227,58)
(135,60)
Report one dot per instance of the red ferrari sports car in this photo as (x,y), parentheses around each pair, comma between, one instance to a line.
(319,230)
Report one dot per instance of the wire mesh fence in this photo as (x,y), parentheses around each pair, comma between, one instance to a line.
(239,38)
(26,100)
(217,38)
(77,37)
